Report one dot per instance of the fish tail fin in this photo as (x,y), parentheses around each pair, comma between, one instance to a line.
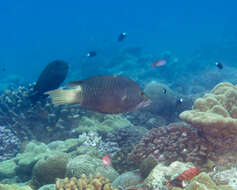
(64,96)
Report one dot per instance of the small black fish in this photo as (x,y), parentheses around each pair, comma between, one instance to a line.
(219,65)
(122,36)
(179,102)
(91,54)
(164,91)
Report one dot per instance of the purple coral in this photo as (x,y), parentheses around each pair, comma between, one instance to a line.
(176,141)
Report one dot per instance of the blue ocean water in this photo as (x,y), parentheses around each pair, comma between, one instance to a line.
(33,33)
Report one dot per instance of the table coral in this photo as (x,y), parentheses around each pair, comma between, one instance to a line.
(215,117)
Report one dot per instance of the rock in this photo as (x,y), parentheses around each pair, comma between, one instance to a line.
(47,169)
(85,164)
(127,179)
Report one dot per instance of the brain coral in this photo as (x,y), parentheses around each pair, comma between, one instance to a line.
(215,116)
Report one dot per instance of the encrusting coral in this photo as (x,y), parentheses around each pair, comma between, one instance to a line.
(215,117)
(91,182)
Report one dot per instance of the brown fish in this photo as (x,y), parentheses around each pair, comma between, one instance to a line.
(110,94)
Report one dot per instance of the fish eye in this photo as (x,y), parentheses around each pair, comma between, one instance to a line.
(142,93)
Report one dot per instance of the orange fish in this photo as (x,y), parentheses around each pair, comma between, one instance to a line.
(107,161)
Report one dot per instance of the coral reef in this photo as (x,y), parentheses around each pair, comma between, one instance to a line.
(41,121)
(9,143)
(101,123)
(161,174)
(7,169)
(215,117)
(47,169)
(25,161)
(97,182)
(91,138)
(226,177)
(176,141)
(128,179)
(119,143)
(86,164)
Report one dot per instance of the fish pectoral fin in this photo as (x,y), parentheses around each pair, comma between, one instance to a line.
(62,96)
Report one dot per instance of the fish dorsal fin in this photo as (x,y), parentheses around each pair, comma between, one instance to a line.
(73,84)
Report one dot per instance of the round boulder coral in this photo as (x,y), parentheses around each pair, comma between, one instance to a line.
(85,164)
(46,170)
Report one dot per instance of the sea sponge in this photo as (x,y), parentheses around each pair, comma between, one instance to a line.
(90,182)
(215,117)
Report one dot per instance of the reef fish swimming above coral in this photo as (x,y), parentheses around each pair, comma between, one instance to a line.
(110,94)
(50,78)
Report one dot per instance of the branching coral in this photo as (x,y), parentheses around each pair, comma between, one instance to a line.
(40,121)
(89,183)
(215,116)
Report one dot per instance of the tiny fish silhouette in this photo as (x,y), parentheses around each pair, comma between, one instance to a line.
(91,54)
(122,36)
(107,161)
(219,65)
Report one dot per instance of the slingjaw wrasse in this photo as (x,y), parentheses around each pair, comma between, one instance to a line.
(106,94)
(50,78)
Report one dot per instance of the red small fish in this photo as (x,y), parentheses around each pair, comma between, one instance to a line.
(158,63)
(107,161)
(185,176)
(188,174)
